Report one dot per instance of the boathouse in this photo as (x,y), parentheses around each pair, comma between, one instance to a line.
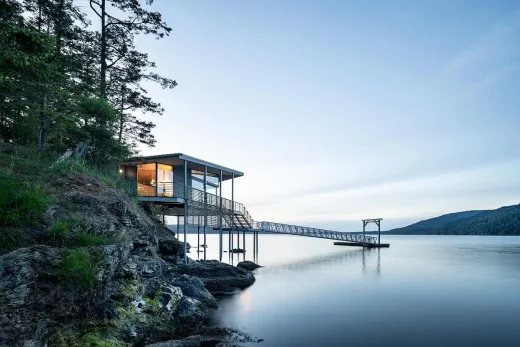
(187,187)
(191,189)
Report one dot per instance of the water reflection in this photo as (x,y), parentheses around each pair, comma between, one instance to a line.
(434,291)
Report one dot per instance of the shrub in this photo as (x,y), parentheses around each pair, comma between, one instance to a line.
(79,166)
(19,200)
(85,239)
(12,238)
(94,339)
(78,267)
(91,339)
(58,233)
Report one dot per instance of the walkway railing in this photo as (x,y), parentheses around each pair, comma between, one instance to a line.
(314,232)
(212,203)
(235,215)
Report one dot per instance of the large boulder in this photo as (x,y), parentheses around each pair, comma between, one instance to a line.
(248,265)
(218,278)
(35,302)
(194,288)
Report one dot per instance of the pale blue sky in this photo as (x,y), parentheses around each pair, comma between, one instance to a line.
(342,110)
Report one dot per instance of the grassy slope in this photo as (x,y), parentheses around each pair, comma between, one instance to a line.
(502,221)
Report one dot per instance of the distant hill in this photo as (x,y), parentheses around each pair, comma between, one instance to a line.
(502,221)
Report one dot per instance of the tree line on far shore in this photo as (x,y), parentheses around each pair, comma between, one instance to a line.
(68,76)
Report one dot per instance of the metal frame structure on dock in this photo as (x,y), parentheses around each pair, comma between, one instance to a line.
(376,221)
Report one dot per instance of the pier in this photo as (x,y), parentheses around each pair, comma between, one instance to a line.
(191,190)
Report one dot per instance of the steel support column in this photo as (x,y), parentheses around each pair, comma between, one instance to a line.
(205,207)
(220,216)
(185,209)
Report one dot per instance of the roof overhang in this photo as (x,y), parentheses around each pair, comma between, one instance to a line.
(193,164)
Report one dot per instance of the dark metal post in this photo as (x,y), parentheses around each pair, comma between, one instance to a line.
(364,225)
(220,216)
(379,234)
(156,179)
(244,240)
(185,209)
(205,207)
(232,208)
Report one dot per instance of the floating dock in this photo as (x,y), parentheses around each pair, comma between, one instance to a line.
(362,244)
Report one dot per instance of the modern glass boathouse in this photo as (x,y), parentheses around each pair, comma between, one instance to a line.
(191,189)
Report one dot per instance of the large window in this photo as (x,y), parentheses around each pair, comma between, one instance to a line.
(164,180)
(212,181)
(154,179)
(146,179)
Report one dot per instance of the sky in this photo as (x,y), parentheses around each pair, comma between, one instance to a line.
(343,110)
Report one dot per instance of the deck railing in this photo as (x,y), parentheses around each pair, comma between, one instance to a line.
(194,197)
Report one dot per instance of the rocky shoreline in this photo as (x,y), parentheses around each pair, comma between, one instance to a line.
(134,291)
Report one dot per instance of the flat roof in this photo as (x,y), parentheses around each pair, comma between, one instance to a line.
(193,164)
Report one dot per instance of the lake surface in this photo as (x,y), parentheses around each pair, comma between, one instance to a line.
(422,291)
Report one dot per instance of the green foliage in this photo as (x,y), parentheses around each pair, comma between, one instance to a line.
(502,221)
(85,239)
(79,166)
(62,82)
(13,238)
(91,339)
(79,268)
(94,339)
(58,233)
(19,201)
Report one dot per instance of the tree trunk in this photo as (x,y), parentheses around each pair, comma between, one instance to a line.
(43,124)
(122,115)
(103,75)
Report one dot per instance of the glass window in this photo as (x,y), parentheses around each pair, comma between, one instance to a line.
(197,181)
(146,179)
(164,180)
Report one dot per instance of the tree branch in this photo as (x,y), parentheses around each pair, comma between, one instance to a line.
(92,7)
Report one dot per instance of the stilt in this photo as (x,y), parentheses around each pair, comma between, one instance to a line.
(238,239)
(244,240)
(178,226)
(186,204)
(220,243)
(379,233)
(198,238)
(254,246)
(205,243)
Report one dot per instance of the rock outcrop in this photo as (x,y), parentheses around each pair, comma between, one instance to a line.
(218,278)
(248,265)
(132,289)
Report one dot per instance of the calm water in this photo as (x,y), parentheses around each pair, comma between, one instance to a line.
(422,291)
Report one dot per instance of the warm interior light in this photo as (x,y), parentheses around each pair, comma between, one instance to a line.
(120,171)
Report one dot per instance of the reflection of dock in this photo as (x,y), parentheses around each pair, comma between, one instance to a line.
(364,256)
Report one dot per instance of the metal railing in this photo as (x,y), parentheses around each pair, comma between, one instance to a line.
(314,232)
(196,198)
(234,214)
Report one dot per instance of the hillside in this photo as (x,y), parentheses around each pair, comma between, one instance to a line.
(502,221)
(83,264)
